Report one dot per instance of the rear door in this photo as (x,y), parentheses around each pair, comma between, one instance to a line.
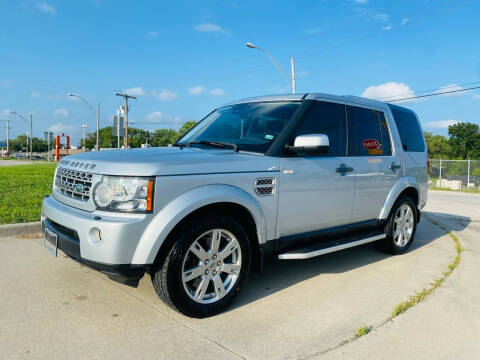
(377,168)
(313,194)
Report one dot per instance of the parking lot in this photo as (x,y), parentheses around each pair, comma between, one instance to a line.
(55,308)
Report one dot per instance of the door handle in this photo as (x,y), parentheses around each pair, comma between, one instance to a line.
(394,166)
(342,169)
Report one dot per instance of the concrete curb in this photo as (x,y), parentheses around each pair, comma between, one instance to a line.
(21,229)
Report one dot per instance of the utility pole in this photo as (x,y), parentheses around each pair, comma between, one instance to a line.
(126,97)
(84,126)
(294,87)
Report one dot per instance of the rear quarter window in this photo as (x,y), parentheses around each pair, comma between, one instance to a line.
(408,128)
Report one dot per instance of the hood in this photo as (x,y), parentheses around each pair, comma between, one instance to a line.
(168,161)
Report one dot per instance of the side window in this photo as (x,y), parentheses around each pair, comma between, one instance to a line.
(367,132)
(325,118)
(408,128)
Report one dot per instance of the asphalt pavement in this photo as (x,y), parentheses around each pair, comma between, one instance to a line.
(55,308)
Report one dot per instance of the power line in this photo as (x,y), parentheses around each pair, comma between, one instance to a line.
(427,91)
(436,93)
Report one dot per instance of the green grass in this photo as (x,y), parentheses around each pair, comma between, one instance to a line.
(363,330)
(472,191)
(426,292)
(22,188)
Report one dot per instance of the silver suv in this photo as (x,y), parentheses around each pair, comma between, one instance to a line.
(294,176)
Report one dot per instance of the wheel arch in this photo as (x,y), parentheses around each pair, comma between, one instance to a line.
(404,186)
(221,198)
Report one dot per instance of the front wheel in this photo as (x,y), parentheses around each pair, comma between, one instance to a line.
(205,267)
(401,227)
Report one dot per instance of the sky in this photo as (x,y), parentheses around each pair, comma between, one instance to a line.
(185,58)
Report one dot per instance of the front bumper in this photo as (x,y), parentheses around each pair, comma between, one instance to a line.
(68,242)
(111,252)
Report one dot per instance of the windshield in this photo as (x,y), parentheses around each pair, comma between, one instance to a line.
(250,126)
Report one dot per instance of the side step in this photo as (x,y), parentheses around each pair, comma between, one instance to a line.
(322,249)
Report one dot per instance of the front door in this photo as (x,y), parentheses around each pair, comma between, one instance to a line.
(316,191)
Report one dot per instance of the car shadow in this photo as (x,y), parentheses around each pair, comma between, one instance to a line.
(281,274)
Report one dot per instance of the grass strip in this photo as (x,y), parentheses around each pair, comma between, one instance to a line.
(424,293)
(414,299)
(22,188)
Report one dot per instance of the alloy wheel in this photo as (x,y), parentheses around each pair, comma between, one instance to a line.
(211,266)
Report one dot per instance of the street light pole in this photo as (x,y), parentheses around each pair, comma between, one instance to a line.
(290,81)
(8,127)
(31,136)
(97,146)
(31,129)
(84,126)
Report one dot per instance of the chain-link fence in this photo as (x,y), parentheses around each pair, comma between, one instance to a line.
(455,174)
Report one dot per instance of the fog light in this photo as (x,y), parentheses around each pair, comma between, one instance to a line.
(95,236)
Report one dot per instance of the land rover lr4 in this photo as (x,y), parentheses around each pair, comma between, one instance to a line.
(294,176)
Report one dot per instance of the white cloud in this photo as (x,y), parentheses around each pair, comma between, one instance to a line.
(155,116)
(5,112)
(301,74)
(38,95)
(380,17)
(441,124)
(196,90)
(210,27)
(389,91)
(135,91)
(62,128)
(476,96)
(159,116)
(62,112)
(152,33)
(4,83)
(387,28)
(404,22)
(164,95)
(46,8)
(359,1)
(312,31)
(217,92)
(451,87)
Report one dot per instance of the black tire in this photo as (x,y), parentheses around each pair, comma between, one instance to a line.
(167,274)
(389,245)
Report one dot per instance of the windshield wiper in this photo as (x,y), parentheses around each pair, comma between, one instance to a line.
(220,144)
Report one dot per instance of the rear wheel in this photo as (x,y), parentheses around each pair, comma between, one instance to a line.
(401,227)
(206,266)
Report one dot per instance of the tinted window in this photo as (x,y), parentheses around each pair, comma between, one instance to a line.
(367,132)
(407,125)
(251,126)
(325,118)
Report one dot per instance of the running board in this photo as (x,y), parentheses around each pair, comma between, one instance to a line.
(310,252)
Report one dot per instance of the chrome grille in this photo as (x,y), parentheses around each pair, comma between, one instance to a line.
(74,184)
(265,186)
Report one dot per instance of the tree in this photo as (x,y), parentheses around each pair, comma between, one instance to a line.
(465,140)
(438,146)
(185,127)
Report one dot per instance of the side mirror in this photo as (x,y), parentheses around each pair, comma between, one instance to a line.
(310,144)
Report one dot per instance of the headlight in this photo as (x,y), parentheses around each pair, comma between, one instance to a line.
(124,194)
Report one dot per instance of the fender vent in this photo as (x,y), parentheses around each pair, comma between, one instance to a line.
(265,186)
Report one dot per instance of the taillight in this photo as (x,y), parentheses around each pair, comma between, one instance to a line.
(428,164)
